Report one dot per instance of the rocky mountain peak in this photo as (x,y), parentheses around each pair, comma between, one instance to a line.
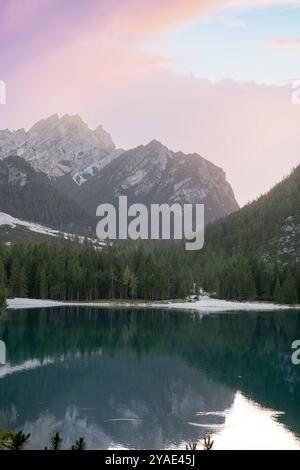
(63,128)
(104,136)
(58,145)
(155,146)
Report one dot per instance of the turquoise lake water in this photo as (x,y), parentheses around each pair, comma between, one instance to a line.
(151,379)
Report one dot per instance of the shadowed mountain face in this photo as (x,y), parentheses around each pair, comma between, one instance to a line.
(28,194)
(154,174)
(85,166)
(142,379)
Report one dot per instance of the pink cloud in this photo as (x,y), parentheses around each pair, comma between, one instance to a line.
(16,15)
(286,43)
(34,29)
(96,64)
(250,130)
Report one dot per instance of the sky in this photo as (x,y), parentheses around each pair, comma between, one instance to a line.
(216,77)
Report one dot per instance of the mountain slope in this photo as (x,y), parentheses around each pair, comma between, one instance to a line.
(85,166)
(154,174)
(29,194)
(14,230)
(269,226)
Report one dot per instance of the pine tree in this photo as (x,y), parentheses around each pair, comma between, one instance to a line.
(14,277)
(277,292)
(133,285)
(17,441)
(56,442)
(125,280)
(3,292)
(80,444)
(23,282)
(43,284)
(289,289)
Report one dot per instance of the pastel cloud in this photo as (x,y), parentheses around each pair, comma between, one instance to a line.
(90,57)
(286,42)
(16,15)
(249,130)
(33,29)
(156,15)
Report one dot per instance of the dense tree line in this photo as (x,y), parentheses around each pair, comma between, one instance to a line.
(239,277)
(83,273)
(149,271)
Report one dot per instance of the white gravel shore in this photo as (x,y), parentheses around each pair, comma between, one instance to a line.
(206,304)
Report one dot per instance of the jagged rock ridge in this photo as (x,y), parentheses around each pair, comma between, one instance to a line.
(58,146)
(154,174)
(85,166)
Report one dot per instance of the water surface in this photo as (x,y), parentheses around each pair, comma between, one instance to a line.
(151,379)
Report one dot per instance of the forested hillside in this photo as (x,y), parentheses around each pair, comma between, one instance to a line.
(28,194)
(254,253)
(269,226)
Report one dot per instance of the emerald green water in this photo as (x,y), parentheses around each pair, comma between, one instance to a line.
(151,379)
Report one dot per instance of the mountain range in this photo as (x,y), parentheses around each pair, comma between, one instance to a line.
(60,170)
(53,177)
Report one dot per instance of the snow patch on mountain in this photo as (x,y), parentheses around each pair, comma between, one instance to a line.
(13,222)
(94,169)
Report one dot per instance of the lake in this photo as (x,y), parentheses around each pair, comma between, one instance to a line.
(151,379)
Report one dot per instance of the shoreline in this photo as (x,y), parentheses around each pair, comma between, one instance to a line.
(204,305)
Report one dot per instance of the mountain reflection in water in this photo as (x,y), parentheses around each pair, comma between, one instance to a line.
(151,379)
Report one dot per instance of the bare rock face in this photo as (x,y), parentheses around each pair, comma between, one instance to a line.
(154,174)
(84,165)
(58,146)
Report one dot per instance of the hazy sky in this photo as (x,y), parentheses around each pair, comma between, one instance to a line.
(206,76)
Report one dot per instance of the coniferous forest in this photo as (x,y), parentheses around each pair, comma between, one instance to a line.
(253,254)
(141,271)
